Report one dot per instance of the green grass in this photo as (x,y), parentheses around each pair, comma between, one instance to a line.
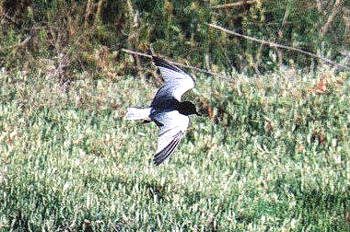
(274,156)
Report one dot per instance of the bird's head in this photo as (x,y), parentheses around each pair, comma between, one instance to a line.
(188,108)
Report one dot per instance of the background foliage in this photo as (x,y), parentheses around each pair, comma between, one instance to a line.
(77,36)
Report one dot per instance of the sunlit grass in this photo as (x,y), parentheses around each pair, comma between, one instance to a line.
(273,156)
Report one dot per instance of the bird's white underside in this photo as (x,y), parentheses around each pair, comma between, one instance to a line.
(178,82)
(176,123)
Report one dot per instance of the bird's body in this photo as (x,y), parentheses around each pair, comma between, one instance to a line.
(167,110)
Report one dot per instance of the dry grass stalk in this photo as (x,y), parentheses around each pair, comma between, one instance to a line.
(99,10)
(337,7)
(346,19)
(280,33)
(88,10)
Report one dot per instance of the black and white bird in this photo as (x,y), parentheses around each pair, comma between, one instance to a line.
(167,110)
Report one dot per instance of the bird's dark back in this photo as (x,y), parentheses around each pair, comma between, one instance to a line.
(164,103)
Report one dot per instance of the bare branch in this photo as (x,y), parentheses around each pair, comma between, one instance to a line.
(272,44)
(235,4)
(179,64)
(136,53)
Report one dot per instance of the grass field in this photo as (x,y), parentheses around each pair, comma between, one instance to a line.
(274,155)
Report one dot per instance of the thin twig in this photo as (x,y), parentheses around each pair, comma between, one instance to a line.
(234,4)
(272,44)
(179,64)
(136,53)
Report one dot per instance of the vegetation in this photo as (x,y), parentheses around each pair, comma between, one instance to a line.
(272,152)
(85,36)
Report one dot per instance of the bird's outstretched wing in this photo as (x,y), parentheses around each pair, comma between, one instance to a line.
(176,81)
(172,126)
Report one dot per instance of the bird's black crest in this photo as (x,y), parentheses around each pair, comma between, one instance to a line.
(187,108)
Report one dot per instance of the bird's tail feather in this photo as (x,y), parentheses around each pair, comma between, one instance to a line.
(138,113)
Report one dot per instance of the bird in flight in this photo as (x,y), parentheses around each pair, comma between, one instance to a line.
(167,110)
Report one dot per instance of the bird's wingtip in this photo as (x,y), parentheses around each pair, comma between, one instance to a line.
(160,62)
(156,162)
